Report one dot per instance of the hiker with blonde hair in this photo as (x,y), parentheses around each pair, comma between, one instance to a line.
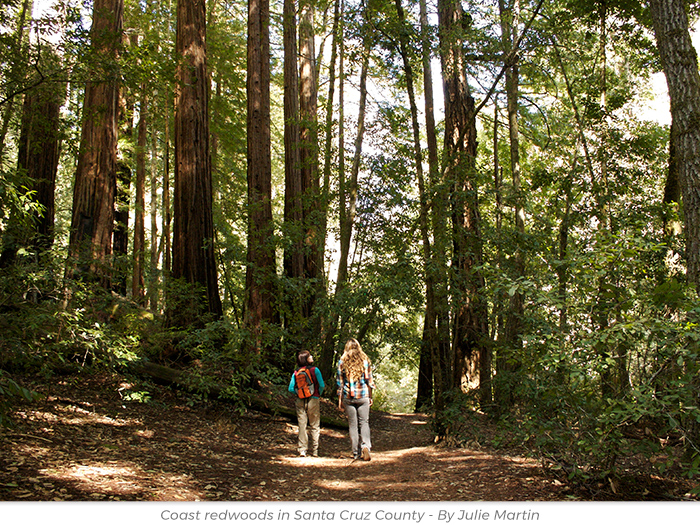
(355,386)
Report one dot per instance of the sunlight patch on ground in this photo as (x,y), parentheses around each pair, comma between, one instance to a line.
(85,471)
(74,415)
(321,461)
(399,453)
(113,480)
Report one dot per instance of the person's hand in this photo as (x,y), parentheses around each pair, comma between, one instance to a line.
(371,401)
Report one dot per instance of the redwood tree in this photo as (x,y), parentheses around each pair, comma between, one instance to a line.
(92,221)
(193,261)
(293,210)
(260,271)
(470,360)
(308,106)
(37,160)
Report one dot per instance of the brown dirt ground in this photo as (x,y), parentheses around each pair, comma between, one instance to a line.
(84,442)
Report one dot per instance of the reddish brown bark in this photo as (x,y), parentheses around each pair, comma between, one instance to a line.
(38,154)
(293,211)
(313,257)
(92,222)
(260,273)
(460,151)
(37,159)
(193,261)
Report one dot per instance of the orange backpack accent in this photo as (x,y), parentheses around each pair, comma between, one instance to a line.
(304,383)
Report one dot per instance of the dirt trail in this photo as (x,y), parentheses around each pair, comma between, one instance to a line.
(84,442)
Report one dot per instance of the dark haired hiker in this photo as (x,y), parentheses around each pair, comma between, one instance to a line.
(308,385)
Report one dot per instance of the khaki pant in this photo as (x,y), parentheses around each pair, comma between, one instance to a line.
(309,418)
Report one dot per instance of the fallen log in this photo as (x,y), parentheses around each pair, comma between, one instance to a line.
(180,378)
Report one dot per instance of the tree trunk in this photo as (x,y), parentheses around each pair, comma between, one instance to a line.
(346,227)
(190,382)
(313,256)
(18,45)
(42,156)
(167,219)
(193,260)
(470,321)
(680,64)
(672,194)
(92,224)
(139,254)
(348,207)
(509,358)
(328,350)
(424,392)
(120,236)
(37,159)
(328,141)
(153,280)
(441,350)
(260,272)
(293,213)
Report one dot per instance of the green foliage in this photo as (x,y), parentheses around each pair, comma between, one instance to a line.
(45,333)
(10,394)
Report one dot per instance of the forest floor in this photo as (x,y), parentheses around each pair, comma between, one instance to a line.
(83,441)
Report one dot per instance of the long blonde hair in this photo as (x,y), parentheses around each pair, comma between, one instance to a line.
(353,360)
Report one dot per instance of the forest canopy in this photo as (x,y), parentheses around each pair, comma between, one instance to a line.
(486,194)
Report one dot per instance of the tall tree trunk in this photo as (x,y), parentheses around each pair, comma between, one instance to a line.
(328,141)
(194,260)
(122,209)
(37,159)
(139,254)
(167,215)
(260,272)
(470,333)
(438,198)
(293,263)
(313,256)
(499,309)
(153,279)
(424,392)
(92,223)
(348,205)
(328,350)
(509,359)
(18,45)
(680,64)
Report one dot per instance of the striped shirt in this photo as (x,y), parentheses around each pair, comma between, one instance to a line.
(355,389)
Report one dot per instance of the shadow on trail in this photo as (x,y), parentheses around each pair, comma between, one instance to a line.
(86,444)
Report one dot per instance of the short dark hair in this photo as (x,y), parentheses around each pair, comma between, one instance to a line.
(303,358)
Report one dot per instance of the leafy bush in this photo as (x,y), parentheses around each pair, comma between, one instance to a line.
(10,392)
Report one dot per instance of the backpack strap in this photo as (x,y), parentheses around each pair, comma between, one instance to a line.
(312,373)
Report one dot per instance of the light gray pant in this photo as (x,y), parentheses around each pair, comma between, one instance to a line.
(309,418)
(357,411)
